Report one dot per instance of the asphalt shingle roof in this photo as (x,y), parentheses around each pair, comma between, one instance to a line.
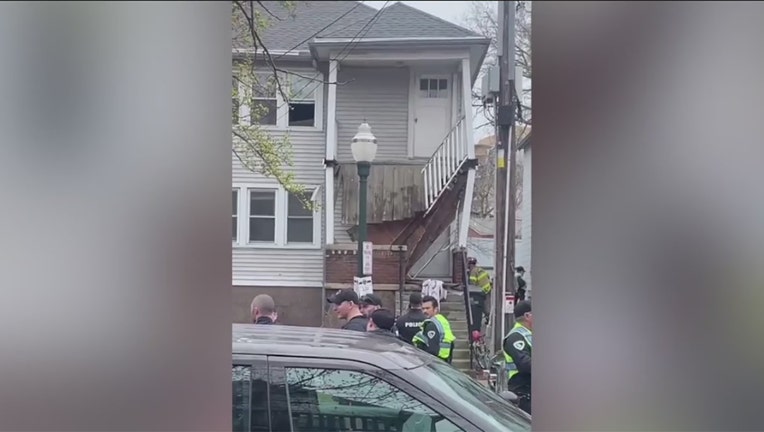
(297,30)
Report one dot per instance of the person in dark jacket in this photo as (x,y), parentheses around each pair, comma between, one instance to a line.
(410,323)
(263,310)
(521,285)
(382,322)
(370,303)
(346,306)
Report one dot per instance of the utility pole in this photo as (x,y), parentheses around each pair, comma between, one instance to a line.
(505,159)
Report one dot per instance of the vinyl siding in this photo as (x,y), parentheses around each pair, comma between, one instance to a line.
(381,96)
(523,255)
(295,267)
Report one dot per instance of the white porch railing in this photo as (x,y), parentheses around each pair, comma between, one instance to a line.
(443,166)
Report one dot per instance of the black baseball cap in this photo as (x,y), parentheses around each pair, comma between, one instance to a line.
(371,300)
(522,308)
(383,319)
(344,295)
(415,299)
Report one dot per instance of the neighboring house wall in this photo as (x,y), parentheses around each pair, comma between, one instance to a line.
(381,96)
(282,264)
(436,262)
(523,255)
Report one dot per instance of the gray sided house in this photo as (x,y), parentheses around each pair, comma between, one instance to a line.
(410,76)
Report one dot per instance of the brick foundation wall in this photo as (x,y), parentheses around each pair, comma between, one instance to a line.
(341,261)
(458,266)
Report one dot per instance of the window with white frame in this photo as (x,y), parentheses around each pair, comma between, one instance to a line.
(265,100)
(302,100)
(262,216)
(299,226)
(235,222)
(263,103)
(433,88)
(272,217)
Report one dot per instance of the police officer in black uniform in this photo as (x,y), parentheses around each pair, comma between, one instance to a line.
(517,349)
(410,323)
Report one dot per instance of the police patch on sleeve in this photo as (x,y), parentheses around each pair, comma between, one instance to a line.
(519,345)
(431,334)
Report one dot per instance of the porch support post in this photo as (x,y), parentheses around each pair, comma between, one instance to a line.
(331,151)
(466,204)
(467,107)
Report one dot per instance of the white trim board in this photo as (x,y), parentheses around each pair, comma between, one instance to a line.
(276,283)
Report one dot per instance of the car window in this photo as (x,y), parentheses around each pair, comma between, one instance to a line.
(470,395)
(344,400)
(250,399)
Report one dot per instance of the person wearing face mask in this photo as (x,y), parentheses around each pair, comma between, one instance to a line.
(263,310)
(517,354)
(346,305)
(521,285)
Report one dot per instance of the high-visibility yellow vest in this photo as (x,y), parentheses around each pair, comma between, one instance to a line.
(447,338)
(481,279)
(510,363)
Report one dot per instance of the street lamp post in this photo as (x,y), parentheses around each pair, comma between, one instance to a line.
(364,149)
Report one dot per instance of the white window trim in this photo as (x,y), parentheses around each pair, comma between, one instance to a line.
(282,108)
(281,208)
(238,215)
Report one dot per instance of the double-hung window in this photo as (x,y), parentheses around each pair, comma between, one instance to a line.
(262,102)
(262,216)
(271,217)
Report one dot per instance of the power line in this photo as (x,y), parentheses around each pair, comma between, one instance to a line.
(367,27)
(319,32)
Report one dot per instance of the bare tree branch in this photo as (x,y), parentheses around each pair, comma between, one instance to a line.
(258,42)
(262,5)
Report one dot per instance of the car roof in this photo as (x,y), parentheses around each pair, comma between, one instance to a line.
(281,340)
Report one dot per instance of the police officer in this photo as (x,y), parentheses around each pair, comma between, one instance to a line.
(435,337)
(410,323)
(517,354)
(382,322)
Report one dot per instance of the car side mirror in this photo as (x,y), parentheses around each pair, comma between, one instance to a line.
(508,396)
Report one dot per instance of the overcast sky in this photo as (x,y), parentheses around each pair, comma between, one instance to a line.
(448,10)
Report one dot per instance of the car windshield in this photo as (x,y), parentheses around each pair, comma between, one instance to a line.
(475,397)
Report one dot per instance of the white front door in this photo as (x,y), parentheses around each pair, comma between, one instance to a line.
(432,113)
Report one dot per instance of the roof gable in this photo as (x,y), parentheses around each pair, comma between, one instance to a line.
(294,30)
(348,19)
(403,21)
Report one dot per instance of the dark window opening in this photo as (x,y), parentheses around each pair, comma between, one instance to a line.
(302,113)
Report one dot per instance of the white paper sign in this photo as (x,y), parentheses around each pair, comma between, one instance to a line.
(367,254)
(363,286)
(509,304)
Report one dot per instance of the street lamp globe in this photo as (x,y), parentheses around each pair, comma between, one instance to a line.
(364,144)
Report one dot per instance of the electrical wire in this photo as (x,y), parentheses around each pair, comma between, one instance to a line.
(348,47)
(319,32)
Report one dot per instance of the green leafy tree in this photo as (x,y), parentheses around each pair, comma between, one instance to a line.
(255,73)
